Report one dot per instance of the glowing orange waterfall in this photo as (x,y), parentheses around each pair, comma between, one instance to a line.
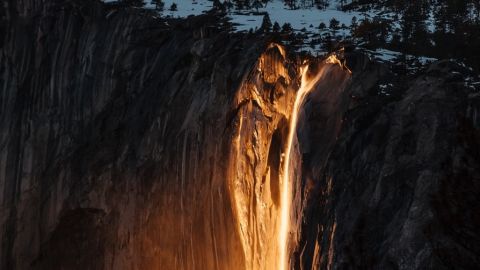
(307,85)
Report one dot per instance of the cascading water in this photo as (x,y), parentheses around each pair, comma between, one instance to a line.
(268,105)
(307,85)
(163,150)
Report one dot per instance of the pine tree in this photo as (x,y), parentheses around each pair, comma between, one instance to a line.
(218,6)
(322,26)
(287,28)
(292,4)
(441,19)
(228,4)
(334,25)
(242,4)
(354,23)
(133,3)
(266,23)
(414,26)
(276,27)
(257,4)
(159,4)
(322,4)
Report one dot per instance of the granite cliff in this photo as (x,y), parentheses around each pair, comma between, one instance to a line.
(131,142)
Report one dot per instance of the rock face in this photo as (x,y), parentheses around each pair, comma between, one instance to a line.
(129,142)
(400,188)
(114,140)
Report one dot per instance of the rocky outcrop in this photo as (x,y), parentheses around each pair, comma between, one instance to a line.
(132,142)
(400,187)
(114,139)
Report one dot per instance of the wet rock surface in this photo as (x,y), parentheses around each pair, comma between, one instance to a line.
(400,187)
(130,142)
(114,139)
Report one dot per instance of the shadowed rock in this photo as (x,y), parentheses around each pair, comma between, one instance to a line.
(132,142)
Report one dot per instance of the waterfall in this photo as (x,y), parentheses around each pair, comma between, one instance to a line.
(307,85)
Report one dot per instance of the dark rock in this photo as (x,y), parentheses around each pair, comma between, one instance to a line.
(128,141)
(401,185)
(111,109)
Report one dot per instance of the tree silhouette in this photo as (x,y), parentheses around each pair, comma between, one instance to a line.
(266,23)
(322,26)
(334,25)
(287,28)
(276,27)
(257,4)
(133,3)
(159,4)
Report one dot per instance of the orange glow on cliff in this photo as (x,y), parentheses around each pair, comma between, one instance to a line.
(307,85)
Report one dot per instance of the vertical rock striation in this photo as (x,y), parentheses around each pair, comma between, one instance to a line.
(115,137)
(399,187)
(132,142)
(260,126)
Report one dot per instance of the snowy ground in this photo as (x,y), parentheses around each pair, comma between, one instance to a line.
(184,7)
(302,20)
(247,19)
